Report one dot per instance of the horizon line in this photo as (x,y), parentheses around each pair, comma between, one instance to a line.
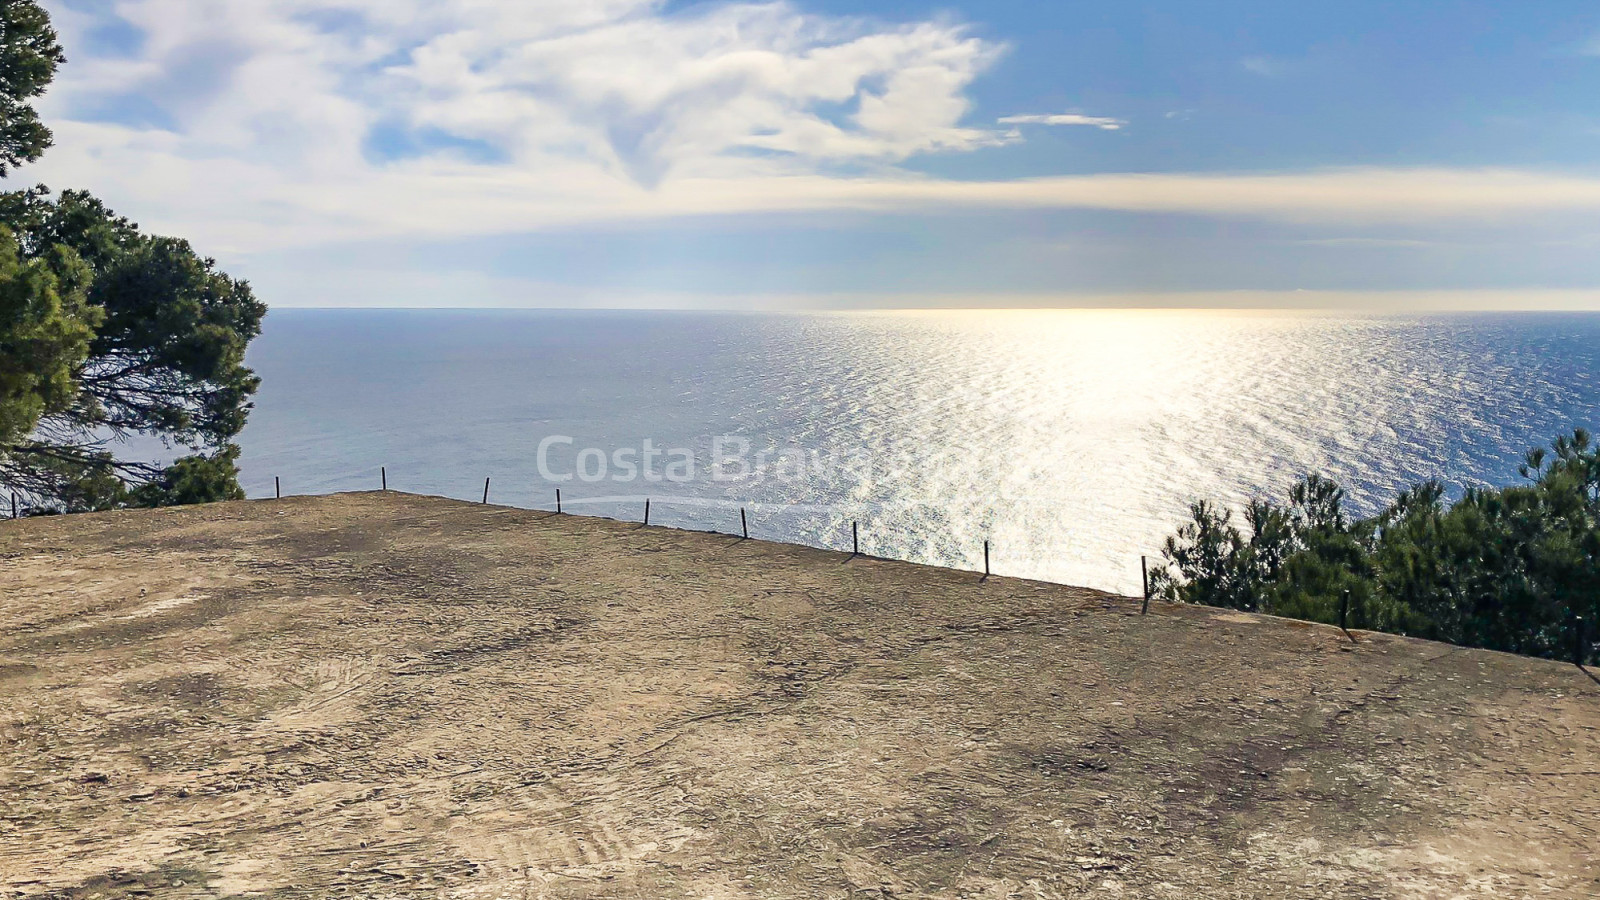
(1368,302)
(1365,310)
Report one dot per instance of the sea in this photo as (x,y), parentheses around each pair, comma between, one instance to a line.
(1071,442)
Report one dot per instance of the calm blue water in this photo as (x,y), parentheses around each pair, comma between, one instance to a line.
(1073,440)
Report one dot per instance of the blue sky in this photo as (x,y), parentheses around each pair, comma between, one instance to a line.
(846,153)
(1258,85)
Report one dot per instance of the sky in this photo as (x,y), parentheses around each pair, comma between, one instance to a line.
(1390,155)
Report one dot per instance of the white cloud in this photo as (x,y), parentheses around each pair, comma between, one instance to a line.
(238,206)
(248,125)
(1260,65)
(615,86)
(257,123)
(1101,122)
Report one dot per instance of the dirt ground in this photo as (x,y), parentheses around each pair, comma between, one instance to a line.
(383,695)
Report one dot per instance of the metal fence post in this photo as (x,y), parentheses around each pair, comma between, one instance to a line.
(1144,572)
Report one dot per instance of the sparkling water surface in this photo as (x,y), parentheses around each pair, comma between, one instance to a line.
(1072,440)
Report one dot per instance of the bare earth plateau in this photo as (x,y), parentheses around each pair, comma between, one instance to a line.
(384,695)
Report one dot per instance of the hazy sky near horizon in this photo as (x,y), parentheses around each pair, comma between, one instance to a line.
(849,152)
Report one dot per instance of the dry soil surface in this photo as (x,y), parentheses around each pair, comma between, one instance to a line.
(381,695)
